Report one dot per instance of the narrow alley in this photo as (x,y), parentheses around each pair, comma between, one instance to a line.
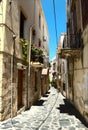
(42,43)
(51,112)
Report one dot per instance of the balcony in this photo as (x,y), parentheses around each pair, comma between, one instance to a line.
(69,53)
(76,40)
(44,38)
(24,43)
(37,57)
(74,48)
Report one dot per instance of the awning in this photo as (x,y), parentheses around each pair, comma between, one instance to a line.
(69,53)
(45,71)
(37,64)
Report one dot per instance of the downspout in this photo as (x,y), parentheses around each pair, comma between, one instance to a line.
(12,74)
(29,59)
(12,60)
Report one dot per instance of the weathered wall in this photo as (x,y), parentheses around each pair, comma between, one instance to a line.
(38,85)
(35,85)
(11,26)
(85,71)
(81,78)
(44,84)
(80,81)
(1,57)
(8,93)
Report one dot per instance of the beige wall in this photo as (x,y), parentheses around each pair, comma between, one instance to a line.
(79,90)
(35,85)
(81,73)
(81,76)
(31,10)
(10,25)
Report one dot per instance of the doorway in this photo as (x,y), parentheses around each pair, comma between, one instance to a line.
(20,88)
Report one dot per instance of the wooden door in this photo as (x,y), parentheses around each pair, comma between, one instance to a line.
(20,87)
(42,79)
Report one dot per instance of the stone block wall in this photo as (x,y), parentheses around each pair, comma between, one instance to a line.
(39,84)
(45,84)
(9,87)
(6,87)
(1,56)
(35,85)
(80,81)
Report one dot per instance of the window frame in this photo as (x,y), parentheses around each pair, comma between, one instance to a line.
(39,20)
(22,24)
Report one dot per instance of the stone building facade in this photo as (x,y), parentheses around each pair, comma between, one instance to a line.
(62,66)
(39,80)
(16,21)
(76,54)
(10,55)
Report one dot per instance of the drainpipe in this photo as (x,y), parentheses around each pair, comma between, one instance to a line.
(12,74)
(29,59)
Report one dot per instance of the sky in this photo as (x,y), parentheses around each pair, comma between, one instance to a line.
(60,7)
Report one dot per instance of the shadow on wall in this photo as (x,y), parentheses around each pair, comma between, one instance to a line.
(71,110)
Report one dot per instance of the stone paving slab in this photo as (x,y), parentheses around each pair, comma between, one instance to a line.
(53,114)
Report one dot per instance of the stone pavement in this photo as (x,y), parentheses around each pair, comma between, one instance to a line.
(51,112)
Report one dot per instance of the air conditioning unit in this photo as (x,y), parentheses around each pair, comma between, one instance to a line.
(21,66)
(44,38)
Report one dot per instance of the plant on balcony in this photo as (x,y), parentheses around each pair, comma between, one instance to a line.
(24,48)
(36,54)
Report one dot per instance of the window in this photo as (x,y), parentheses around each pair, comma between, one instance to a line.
(22,21)
(43,30)
(67,2)
(33,35)
(75,19)
(54,66)
(39,43)
(39,21)
(84,4)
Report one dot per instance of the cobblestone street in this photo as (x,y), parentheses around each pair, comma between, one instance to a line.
(51,112)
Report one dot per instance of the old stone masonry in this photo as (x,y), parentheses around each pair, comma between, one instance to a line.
(51,112)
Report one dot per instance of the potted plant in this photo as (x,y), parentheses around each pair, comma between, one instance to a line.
(36,54)
(24,48)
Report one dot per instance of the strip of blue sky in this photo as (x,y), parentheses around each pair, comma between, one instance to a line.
(61,21)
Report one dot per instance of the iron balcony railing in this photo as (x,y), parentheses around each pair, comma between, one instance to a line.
(74,41)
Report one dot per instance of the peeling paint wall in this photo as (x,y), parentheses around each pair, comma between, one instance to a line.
(78,90)
(80,81)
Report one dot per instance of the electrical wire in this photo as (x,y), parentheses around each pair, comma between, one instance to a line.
(54,8)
